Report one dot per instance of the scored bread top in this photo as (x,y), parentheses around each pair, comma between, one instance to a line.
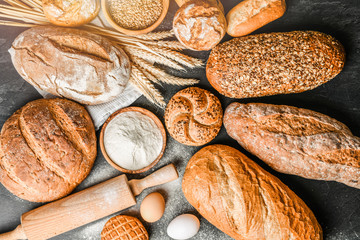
(71,63)
(193,116)
(47,148)
(243,200)
(296,141)
(274,63)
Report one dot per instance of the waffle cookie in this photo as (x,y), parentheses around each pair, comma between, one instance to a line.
(124,227)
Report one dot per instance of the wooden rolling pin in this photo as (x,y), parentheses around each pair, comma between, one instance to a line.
(86,206)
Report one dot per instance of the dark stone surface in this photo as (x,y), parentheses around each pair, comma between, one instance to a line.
(335,205)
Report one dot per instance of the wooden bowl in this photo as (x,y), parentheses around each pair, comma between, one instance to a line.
(105,10)
(145,112)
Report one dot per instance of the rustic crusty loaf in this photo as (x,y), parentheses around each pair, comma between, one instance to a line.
(193,116)
(46,149)
(71,63)
(70,13)
(250,15)
(124,227)
(200,24)
(243,200)
(274,63)
(296,141)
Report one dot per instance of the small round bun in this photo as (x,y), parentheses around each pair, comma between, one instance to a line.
(47,148)
(70,13)
(124,227)
(200,25)
(193,116)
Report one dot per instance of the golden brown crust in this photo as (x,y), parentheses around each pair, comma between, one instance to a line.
(193,116)
(124,227)
(200,25)
(296,141)
(250,15)
(71,63)
(41,160)
(274,63)
(243,200)
(70,13)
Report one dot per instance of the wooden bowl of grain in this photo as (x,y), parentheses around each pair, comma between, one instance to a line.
(121,150)
(134,17)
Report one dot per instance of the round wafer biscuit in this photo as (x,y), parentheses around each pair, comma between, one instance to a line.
(124,227)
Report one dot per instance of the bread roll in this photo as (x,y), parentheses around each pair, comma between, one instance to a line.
(274,63)
(71,63)
(296,141)
(47,148)
(200,24)
(243,200)
(70,13)
(250,15)
(193,116)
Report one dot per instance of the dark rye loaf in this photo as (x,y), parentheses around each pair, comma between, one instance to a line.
(46,149)
(296,141)
(274,63)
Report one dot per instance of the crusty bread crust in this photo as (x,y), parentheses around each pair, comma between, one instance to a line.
(71,63)
(193,116)
(243,200)
(274,63)
(200,25)
(250,15)
(70,13)
(296,141)
(47,148)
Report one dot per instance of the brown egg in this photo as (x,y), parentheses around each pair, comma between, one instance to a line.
(152,207)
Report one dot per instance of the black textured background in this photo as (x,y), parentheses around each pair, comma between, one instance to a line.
(335,205)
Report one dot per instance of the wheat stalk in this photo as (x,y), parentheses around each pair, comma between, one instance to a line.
(143,50)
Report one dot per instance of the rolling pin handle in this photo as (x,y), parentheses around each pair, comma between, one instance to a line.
(17,234)
(161,176)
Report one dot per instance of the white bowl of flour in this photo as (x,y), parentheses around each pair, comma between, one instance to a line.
(133,140)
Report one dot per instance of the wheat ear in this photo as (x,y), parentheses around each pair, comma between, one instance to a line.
(156,35)
(146,87)
(162,75)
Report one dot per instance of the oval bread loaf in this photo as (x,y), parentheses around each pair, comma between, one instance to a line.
(243,200)
(47,148)
(193,116)
(71,63)
(250,15)
(296,141)
(274,63)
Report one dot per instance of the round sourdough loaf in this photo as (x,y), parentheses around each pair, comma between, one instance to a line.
(71,63)
(199,24)
(243,200)
(193,116)
(70,13)
(46,149)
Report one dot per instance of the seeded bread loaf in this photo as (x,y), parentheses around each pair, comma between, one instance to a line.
(243,200)
(274,63)
(200,24)
(71,63)
(193,116)
(46,149)
(296,141)
(70,13)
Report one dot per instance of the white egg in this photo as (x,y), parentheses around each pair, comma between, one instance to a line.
(183,227)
